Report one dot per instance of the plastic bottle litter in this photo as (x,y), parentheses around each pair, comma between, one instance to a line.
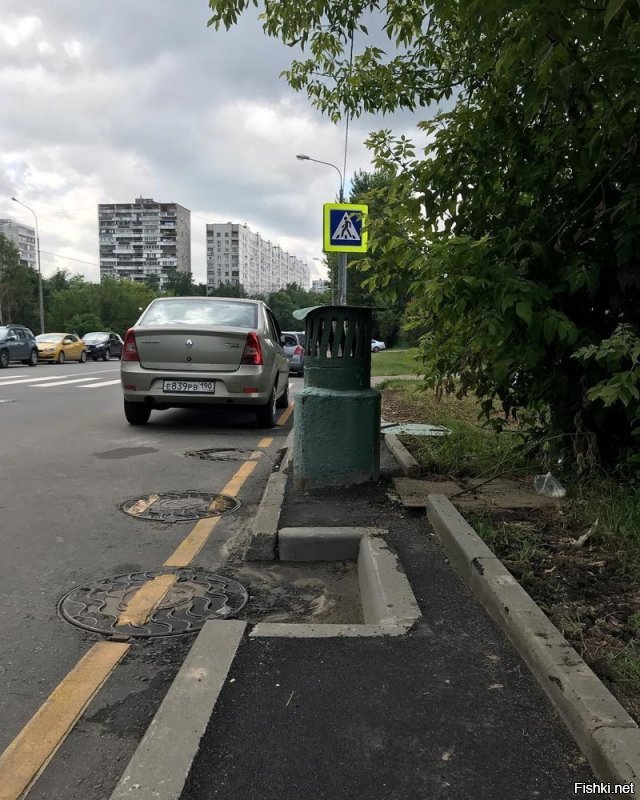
(548,486)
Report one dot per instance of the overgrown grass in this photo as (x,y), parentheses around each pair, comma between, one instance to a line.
(609,510)
(624,668)
(470,450)
(395,362)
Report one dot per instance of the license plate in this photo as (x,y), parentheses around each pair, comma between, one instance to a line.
(189,387)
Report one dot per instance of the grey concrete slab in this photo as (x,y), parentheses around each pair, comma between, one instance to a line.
(313,631)
(617,756)
(163,759)
(321,543)
(407,462)
(461,542)
(264,525)
(387,598)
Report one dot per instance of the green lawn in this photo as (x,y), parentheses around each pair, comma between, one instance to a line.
(395,362)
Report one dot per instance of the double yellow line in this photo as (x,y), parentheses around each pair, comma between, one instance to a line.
(33,748)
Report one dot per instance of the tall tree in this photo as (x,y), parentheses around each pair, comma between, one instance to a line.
(18,287)
(517,222)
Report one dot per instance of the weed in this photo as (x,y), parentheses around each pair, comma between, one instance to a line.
(624,667)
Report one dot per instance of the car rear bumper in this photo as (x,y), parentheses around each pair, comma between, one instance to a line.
(141,385)
(296,364)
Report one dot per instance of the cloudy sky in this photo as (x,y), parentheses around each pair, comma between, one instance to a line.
(104,102)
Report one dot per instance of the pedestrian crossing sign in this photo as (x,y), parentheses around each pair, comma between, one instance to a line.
(345,228)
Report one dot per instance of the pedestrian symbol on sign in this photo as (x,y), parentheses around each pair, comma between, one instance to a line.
(345,232)
(344,228)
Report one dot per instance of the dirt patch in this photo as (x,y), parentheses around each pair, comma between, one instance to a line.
(319,592)
(586,591)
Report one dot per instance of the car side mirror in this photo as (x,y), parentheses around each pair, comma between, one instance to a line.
(12,338)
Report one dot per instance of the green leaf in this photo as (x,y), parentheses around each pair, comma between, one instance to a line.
(523,310)
(613,9)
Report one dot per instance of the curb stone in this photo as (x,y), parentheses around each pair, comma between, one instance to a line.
(264,526)
(160,765)
(407,462)
(605,732)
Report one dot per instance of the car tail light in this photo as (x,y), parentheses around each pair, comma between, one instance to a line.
(252,350)
(297,351)
(129,348)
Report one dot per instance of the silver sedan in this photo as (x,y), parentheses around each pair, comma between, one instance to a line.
(204,351)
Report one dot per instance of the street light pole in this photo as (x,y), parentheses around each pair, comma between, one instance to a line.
(40,296)
(342,257)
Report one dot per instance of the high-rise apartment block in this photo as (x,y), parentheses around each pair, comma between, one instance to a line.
(237,255)
(24,238)
(143,239)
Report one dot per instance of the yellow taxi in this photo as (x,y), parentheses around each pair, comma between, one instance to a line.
(60,347)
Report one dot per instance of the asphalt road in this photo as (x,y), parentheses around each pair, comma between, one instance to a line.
(68,459)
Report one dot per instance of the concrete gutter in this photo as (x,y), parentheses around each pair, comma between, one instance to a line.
(605,732)
(388,604)
(407,462)
(161,764)
(264,526)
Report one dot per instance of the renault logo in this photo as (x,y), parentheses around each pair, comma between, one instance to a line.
(189,343)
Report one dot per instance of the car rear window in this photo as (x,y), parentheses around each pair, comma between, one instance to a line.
(194,311)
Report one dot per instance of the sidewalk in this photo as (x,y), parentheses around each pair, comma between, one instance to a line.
(447,711)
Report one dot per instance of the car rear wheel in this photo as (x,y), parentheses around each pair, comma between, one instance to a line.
(83,357)
(266,415)
(61,357)
(107,355)
(33,358)
(136,413)
(283,400)
(376,349)
(4,359)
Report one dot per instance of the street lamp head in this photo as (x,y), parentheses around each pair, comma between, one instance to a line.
(15,200)
(302,157)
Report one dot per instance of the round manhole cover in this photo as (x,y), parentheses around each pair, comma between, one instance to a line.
(180,506)
(224,454)
(153,603)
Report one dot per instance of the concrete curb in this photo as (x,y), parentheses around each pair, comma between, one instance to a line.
(605,732)
(407,462)
(161,764)
(388,604)
(264,526)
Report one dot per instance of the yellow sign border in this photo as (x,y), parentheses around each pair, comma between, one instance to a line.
(327,208)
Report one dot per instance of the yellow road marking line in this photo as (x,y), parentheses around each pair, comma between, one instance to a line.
(36,744)
(142,505)
(189,548)
(285,415)
(268,440)
(145,600)
(235,484)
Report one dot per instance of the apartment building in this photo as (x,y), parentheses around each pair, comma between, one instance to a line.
(320,285)
(24,238)
(235,254)
(143,239)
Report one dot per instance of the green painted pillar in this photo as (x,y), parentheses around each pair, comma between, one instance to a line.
(337,413)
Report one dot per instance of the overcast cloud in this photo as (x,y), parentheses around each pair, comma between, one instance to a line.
(104,102)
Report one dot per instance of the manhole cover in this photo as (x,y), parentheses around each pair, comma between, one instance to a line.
(108,606)
(224,454)
(180,506)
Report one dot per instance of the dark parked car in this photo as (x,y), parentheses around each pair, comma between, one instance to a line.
(102,344)
(293,343)
(17,343)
